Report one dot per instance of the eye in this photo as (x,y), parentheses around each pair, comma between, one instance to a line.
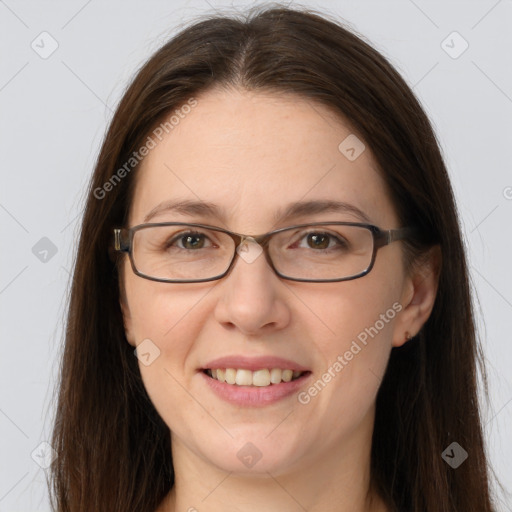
(322,240)
(191,240)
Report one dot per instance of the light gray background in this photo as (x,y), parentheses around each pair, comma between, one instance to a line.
(54,112)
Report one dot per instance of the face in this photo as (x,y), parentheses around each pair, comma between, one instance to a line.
(253,154)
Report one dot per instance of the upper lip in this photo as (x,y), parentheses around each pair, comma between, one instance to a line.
(254,363)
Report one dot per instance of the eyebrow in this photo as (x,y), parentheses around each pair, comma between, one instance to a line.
(298,209)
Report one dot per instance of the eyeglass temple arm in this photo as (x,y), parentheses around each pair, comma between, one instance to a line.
(392,235)
(121,243)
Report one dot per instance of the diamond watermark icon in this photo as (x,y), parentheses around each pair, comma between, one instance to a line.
(249,251)
(351,147)
(43,455)
(454,455)
(44,250)
(454,45)
(249,455)
(44,45)
(147,352)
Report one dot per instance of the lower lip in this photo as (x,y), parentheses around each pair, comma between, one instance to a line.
(254,396)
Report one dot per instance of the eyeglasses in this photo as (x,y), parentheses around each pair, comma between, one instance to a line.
(173,252)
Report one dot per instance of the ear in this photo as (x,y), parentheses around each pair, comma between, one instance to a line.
(418,297)
(127,320)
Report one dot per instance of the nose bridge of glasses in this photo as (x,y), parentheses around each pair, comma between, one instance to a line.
(250,248)
(244,239)
(241,240)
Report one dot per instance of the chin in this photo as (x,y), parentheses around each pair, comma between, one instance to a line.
(257,457)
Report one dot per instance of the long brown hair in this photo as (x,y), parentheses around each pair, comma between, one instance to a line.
(113,448)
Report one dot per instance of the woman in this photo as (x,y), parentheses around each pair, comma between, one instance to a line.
(271,231)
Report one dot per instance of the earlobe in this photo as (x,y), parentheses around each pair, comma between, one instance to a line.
(418,297)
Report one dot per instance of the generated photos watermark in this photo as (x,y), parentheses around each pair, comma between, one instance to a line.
(304,397)
(137,156)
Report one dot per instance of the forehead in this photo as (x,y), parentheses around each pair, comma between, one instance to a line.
(253,153)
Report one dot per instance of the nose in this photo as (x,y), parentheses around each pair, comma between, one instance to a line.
(253,296)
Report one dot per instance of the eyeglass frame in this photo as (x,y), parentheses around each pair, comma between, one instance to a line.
(123,243)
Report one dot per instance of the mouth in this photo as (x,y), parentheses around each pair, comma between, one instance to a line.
(261,378)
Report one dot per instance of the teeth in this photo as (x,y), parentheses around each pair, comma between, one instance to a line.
(275,375)
(243,377)
(287,375)
(260,378)
(230,375)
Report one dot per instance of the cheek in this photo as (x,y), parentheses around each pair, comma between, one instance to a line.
(158,310)
(361,310)
(171,319)
(171,316)
(355,346)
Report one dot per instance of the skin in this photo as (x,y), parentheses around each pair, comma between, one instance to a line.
(253,153)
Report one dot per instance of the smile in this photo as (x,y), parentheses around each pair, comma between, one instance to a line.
(261,391)
(260,378)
